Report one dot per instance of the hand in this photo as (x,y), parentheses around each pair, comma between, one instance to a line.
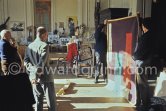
(105,21)
(39,72)
(33,81)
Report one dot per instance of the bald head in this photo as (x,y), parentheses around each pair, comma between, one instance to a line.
(5,34)
(42,33)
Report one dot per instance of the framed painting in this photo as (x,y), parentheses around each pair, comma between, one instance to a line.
(17,25)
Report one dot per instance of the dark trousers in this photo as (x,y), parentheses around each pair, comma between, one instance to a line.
(100,64)
(44,89)
(142,87)
(16,93)
(16,107)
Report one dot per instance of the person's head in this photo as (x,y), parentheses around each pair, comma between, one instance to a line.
(70,20)
(146,24)
(77,28)
(72,39)
(13,42)
(55,32)
(6,35)
(42,34)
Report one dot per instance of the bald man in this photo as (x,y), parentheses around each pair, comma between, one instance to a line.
(36,62)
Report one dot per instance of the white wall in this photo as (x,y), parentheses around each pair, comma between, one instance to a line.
(17,10)
(88,8)
(1,11)
(148,4)
(91,10)
(116,3)
(17,13)
(133,5)
(22,10)
(63,9)
(85,12)
(29,9)
(104,4)
(80,11)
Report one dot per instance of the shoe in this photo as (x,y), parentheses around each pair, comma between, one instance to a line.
(96,82)
(142,108)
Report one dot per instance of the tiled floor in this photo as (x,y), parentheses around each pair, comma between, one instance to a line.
(84,95)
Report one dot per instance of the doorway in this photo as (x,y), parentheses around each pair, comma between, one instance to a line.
(42,13)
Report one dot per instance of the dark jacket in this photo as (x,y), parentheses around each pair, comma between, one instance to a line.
(101,41)
(8,55)
(144,50)
(144,47)
(72,29)
(16,93)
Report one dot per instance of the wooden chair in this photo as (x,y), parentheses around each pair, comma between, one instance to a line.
(85,61)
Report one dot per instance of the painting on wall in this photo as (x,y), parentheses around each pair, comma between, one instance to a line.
(74,19)
(61,24)
(17,25)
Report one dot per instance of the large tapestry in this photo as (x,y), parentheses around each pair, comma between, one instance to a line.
(122,37)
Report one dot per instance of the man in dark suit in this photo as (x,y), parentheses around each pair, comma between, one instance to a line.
(16,91)
(142,55)
(8,54)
